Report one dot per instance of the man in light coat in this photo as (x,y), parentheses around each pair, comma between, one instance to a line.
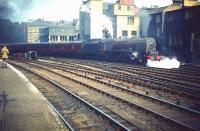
(4,56)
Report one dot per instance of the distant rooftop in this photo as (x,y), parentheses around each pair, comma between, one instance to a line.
(41,22)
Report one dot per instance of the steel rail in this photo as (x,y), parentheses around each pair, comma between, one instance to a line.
(127,102)
(178,86)
(138,81)
(132,92)
(112,120)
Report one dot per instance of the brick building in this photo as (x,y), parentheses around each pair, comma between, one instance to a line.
(51,31)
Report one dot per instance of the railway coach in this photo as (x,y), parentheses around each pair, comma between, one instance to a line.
(118,50)
(46,49)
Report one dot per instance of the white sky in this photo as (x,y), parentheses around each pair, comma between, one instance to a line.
(160,3)
(65,10)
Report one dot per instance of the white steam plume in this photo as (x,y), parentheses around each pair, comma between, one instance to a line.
(165,63)
(98,22)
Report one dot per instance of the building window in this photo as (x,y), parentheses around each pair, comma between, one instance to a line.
(54,38)
(130,20)
(124,33)
(51,38)
(65,38)
(128,8)
(119,7)
(133,33)
(62,38)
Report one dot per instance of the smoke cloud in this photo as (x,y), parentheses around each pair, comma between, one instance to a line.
(12,9)
(23,10)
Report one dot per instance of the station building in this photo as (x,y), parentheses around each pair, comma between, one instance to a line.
(51,31)
(57,34)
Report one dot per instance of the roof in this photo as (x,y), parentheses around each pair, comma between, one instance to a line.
(41,22)
(147,11)
(172,8)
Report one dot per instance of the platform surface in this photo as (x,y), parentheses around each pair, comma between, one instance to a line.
(23,108)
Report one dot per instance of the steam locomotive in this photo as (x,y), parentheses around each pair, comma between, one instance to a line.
(119,50)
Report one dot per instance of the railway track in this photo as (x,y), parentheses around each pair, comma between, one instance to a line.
(97,74)
(64,68)
(156,84)
(154,76)
(191,67)
(168,75)
(163,110)
(187,71)
(183,70)
(70,107)
(163,74)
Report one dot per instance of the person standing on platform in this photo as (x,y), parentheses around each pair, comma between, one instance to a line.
(4,56)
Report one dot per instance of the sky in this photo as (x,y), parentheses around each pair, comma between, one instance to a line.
(63,9)
(56,9)
(160,3)
(23,10)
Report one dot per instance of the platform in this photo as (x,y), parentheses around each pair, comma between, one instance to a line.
(23,108)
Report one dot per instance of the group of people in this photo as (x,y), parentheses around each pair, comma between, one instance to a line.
(4,56)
